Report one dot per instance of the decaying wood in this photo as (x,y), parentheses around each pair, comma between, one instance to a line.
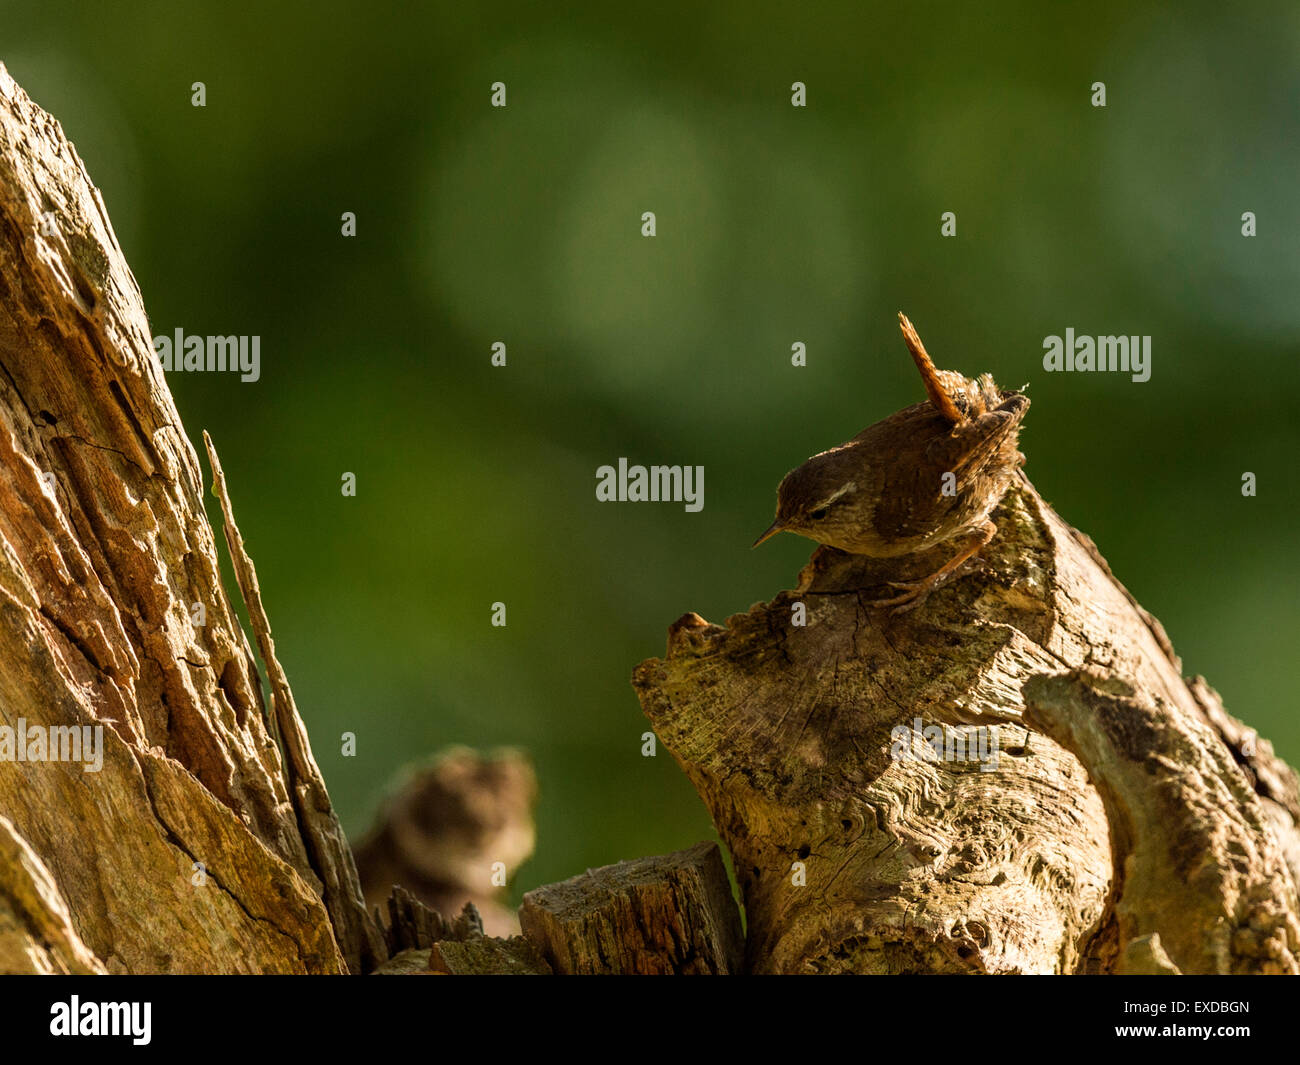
(195,848)
(486,956)
(1202,867)
(422,942)
(36,933)
(407,963)
(669,915)
(330,855)
(413,926)
(1122,827)
(444,828)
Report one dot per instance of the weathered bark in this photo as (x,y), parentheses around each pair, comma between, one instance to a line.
(423,942)
(1126,827)
(672,915)
(413,926)
(485,956)
(104,552)
(36,933)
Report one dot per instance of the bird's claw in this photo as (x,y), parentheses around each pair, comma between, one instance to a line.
(915,593)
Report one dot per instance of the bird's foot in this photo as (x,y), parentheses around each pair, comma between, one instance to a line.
(915,593)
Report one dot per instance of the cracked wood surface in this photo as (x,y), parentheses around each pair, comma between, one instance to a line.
(36,933)
(673,914)
(668,915)
(1129,825)
(104,550)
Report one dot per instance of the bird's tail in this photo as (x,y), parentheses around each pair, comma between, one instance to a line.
(930,375)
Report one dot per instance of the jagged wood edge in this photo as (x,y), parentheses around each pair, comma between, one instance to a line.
(107,560)
(332,859)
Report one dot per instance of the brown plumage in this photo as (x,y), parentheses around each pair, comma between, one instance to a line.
(882,493)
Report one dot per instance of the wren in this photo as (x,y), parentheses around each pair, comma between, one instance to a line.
(887,492)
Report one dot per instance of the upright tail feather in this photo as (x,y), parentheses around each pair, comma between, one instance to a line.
(939,396)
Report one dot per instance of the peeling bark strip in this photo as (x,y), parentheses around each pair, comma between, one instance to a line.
(195,848)
(1127,826)
(331,858)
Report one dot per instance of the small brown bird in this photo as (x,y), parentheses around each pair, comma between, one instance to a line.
(930,473)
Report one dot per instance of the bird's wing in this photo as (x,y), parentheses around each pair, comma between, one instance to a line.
(972,444)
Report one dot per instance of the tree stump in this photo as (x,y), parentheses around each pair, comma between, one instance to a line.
(672,915)
(1014,778)
(205,840)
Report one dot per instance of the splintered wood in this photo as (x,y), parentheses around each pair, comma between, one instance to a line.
(652,916)
(186,845)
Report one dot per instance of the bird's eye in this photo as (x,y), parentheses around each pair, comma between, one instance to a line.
(819,513)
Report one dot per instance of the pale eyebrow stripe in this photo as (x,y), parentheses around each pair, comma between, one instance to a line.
(852,486)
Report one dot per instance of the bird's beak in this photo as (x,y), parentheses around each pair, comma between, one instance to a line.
(772,530)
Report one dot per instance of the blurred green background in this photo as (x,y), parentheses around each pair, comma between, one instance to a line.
(775,225)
